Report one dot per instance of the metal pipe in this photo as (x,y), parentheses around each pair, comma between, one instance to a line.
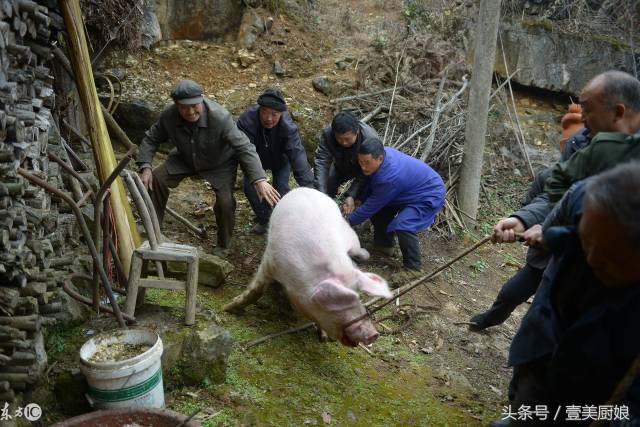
(143,210)
(99,200)
(71,170)
(80,298)
(87,235)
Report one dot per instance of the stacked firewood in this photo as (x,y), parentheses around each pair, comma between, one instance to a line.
(34,235)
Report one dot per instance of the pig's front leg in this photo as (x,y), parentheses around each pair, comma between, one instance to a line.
(254,291)
(359,254)
(356,252)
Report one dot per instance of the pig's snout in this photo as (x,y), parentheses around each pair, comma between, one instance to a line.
(361,332)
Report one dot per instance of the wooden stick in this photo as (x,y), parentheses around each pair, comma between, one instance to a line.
(105,158)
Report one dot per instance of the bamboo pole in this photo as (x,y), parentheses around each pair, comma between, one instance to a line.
(128,236)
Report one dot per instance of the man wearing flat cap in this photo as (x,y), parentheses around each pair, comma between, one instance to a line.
(269,127)
(206,143)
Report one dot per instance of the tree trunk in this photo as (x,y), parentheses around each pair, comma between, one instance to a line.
(476,128)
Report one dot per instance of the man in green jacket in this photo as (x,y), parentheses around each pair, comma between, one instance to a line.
(206,143)
(611,113)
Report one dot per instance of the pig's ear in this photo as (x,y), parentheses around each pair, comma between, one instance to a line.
(333,296)
(373,285)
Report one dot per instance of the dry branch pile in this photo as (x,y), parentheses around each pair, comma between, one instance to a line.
(113,21)
(33,232)
(416,96)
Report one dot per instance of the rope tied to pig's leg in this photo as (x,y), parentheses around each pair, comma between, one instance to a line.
(409,287)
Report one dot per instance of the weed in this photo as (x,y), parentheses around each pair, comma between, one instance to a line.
(480,266)
(380,42)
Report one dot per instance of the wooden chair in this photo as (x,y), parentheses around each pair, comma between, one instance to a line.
(158,250)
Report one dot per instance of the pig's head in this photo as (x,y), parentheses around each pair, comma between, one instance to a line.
(335,305)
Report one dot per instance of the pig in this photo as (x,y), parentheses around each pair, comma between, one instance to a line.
(309,251)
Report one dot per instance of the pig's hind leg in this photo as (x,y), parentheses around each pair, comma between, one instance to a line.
(254,291)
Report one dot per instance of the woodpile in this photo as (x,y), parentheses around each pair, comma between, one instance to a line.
(34,235)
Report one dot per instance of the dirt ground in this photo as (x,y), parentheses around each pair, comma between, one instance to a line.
(427,368)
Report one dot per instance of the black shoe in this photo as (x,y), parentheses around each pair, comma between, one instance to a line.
(478,323)
(260,228)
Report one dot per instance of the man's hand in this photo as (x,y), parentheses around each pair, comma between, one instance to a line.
(267,193)
(533,236)
(505,230)
(348,206)
(147,178)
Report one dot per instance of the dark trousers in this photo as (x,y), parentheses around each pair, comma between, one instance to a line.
(334,181)
(407,240)
(530,386)
(280,183)
(223,209)
(514,292)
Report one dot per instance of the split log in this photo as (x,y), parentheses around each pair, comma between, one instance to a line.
(30,323)
(9,299)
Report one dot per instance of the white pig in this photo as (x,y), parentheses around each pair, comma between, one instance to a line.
(309,252)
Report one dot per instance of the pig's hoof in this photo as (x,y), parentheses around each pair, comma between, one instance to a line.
(322,336)
(360,254)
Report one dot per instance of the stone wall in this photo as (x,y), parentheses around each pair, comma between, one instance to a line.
(556,61)
(194,20)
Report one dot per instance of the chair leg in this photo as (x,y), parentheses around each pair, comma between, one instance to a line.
(134,283)
(191,289)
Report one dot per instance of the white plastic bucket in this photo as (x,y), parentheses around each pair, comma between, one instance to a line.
(132,383)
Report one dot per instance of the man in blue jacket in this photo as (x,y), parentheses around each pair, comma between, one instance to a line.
(579,340)
(269,127)
(403,195)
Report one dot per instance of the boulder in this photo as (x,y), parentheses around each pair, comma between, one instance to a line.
(198,19)
(204,355)
(212,270)
(192,354)
(135,117)
(251,27)
(151,32)
(322,84)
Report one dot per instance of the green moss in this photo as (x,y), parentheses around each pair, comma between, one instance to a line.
(542,23)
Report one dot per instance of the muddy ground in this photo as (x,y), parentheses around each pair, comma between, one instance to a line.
(427,368)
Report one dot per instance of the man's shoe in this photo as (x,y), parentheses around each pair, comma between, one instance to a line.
(260,228)
(220,252)
(382,250)
(478,323)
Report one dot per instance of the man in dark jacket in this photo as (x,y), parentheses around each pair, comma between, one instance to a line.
(337,157)
(206,143)
(403,195)
(579,340)
(271,129)
(534,209)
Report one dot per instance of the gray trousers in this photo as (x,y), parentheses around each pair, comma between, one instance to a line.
(224,207)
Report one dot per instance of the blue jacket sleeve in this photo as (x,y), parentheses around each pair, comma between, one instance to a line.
(381,195)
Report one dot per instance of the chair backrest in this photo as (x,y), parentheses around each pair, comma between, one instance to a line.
(145,208)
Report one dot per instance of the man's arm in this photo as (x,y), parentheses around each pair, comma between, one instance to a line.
(322,164)
(381,195)
(298,158)
(563,174)
(244,150)
(153,137)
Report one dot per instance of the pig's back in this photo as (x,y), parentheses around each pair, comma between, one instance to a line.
(307,235)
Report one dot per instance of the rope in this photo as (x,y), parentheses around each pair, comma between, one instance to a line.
(421,281)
